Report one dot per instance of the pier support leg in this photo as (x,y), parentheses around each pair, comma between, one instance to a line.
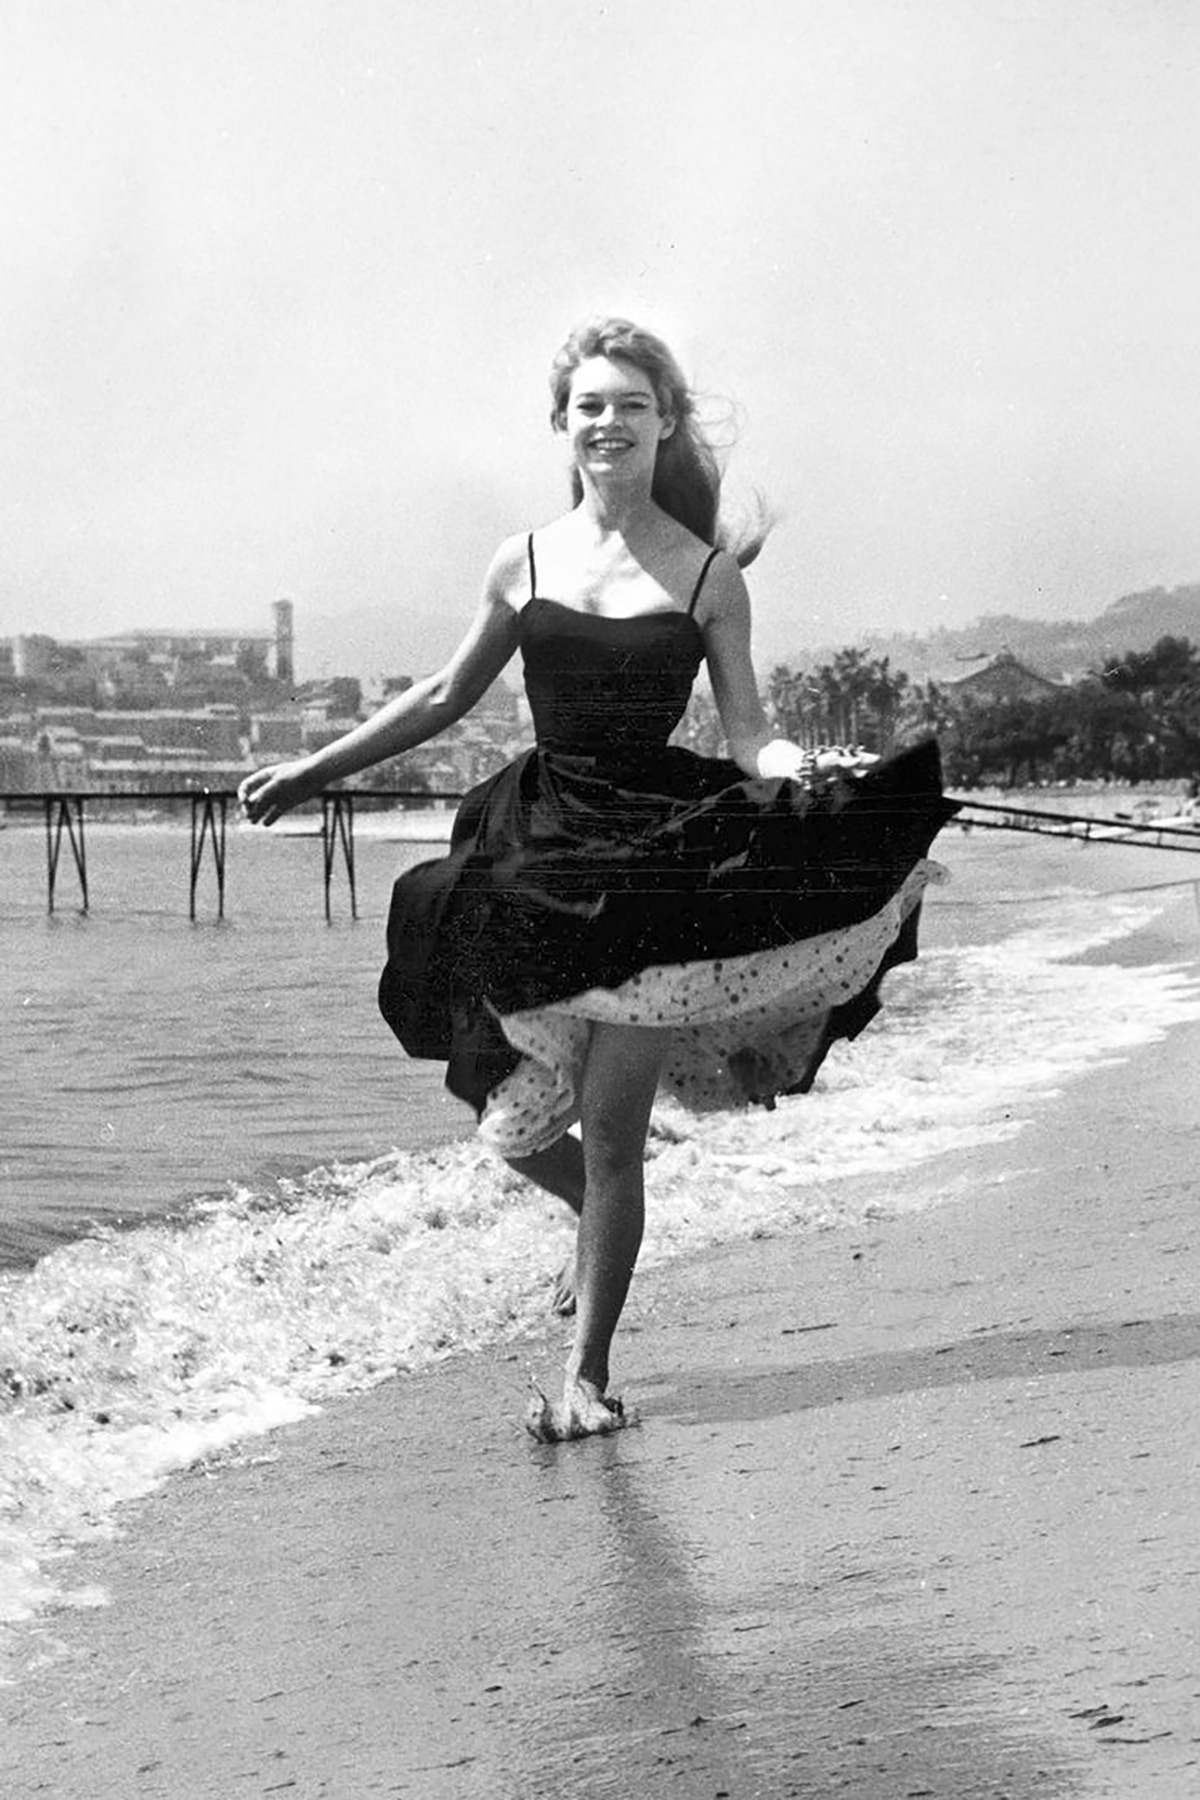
(208,826)
(58,816)
(337,827)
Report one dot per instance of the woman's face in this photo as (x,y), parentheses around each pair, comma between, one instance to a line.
(612,420)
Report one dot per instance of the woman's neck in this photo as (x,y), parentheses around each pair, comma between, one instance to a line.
(616,511)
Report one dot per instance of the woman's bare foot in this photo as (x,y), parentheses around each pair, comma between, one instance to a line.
(562,1300)
(582,1412)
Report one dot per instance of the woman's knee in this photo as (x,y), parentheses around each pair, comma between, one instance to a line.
(615,1127)
(613,1154)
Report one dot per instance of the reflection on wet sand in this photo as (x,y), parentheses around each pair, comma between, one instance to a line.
(716,1652)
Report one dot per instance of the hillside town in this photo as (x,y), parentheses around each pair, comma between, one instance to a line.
(155,712)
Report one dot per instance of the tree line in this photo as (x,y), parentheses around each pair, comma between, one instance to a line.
(1133,718)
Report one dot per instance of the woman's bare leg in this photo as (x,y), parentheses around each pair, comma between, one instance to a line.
(619,1085)
(558,1169)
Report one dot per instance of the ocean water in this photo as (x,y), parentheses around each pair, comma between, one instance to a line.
(153,1060)
(226,1196)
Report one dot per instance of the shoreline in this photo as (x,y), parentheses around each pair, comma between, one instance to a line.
(908,1511)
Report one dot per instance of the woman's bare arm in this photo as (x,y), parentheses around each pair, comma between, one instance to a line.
(726,627)
(411,718)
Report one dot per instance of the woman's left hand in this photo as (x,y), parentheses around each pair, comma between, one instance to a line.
(267,794)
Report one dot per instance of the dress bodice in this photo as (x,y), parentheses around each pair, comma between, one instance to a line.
(598,685)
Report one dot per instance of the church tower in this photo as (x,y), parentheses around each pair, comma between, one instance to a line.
(285,667)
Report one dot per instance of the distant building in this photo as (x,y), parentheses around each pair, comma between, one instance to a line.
(32,654)
(1003,678)
(219,649)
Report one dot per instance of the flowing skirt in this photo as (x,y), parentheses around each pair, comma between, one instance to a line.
(751,919)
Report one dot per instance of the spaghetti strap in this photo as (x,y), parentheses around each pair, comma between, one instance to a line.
(708,563)
(532,569)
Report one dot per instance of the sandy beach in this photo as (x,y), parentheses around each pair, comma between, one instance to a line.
(910,1511)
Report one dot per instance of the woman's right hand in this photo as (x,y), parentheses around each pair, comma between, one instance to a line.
(267,794)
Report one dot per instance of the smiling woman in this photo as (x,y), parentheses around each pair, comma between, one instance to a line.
(615,912)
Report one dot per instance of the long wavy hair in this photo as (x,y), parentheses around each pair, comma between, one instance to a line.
(687,474)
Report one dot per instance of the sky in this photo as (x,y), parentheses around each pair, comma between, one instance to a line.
(280,281)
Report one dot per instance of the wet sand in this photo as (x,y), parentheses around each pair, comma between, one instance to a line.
(910,1512)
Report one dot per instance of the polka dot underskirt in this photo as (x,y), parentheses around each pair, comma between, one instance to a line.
(740,1028)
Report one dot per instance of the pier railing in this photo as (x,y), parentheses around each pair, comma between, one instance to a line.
(987,815)
(64,815)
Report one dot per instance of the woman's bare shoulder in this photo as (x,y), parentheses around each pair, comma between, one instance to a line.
(723,588)
(511,559)
(511,554)
(508,572)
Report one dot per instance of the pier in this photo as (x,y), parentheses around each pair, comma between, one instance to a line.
(65,817)
(1084,828)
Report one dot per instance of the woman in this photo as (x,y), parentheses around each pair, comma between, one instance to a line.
(614,912)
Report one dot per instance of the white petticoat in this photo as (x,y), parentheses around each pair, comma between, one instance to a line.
(765,1011)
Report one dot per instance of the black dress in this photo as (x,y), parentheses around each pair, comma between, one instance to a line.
(606,874)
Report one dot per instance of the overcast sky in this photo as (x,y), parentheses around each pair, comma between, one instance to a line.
(281,280)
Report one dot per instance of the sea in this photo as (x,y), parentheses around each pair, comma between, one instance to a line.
(226,1196)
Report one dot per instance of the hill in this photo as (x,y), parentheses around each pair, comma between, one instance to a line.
(1066,648)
